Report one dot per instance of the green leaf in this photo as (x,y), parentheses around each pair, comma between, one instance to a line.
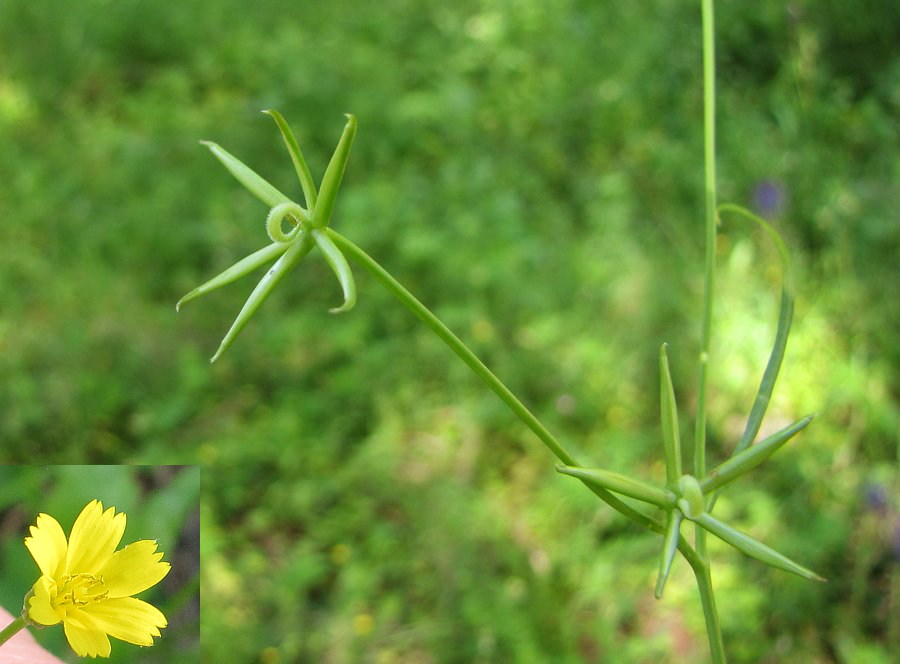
(752,547)
(340,267)
(669,418)
(285,264)
(331,182)
(623,484)
(667,553)
(306,181)
(247,177)
(244,266)
(744,462)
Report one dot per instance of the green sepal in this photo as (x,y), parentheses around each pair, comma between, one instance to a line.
(331,181)
(752,547)
(246,176)
(667,553)
(340,267)
(277,215)
(306,181)
(669,419)
(785,318)
(750,458)
(294,254)
(623,484)
(244,266)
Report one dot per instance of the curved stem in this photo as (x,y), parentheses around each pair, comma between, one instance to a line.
(11,629)
(457,346)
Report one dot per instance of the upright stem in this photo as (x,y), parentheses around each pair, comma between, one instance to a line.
(710,612)
(709,162)
(709,154)
(701,564)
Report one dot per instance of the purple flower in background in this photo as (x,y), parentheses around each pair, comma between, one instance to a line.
(896,542)
(768,198)
(876,497)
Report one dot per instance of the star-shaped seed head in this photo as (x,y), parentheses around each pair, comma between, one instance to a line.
(308,227)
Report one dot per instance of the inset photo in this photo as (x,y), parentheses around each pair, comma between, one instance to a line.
(99,562)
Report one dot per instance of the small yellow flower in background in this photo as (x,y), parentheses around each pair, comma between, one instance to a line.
(88,586)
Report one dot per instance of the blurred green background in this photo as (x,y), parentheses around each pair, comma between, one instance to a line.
(160,503)
(532,171)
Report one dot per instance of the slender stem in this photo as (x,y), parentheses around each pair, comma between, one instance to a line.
(467,356)
(710,612)
(701,566)
(709,149)
(11,629)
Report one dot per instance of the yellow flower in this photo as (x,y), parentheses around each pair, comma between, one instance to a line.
(87,585)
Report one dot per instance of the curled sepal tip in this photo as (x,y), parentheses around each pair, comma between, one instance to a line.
(244,266)
(247,176)
(305,177)
(331,181)
(341,269)
(669,419)
(752,547)
(667,553)
(277,214)
(294,254)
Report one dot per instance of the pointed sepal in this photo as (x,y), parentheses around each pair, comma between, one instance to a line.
(247,176)
(753,547)
(331,181)
(785,318)
(340,267)
(294,254)
(669,419)
(750,458)
(623,484)
(667,553)
(244,266)
(305,177)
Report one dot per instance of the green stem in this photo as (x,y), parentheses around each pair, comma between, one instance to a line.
(11,629)
(701,566)
(710,612)
(698,564)
(709,149)
(457,346)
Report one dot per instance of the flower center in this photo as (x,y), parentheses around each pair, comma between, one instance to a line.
(81,589)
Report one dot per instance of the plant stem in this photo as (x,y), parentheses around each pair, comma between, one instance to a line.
(11,629)
(708,602)
(457,346)
(701,565)
(709,149)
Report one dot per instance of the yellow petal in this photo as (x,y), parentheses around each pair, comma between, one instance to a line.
(127,618)
(134,569)
(47,544)
(85,637)
(94,538)
(40,606)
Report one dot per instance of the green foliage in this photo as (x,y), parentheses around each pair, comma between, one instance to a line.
(531,171)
